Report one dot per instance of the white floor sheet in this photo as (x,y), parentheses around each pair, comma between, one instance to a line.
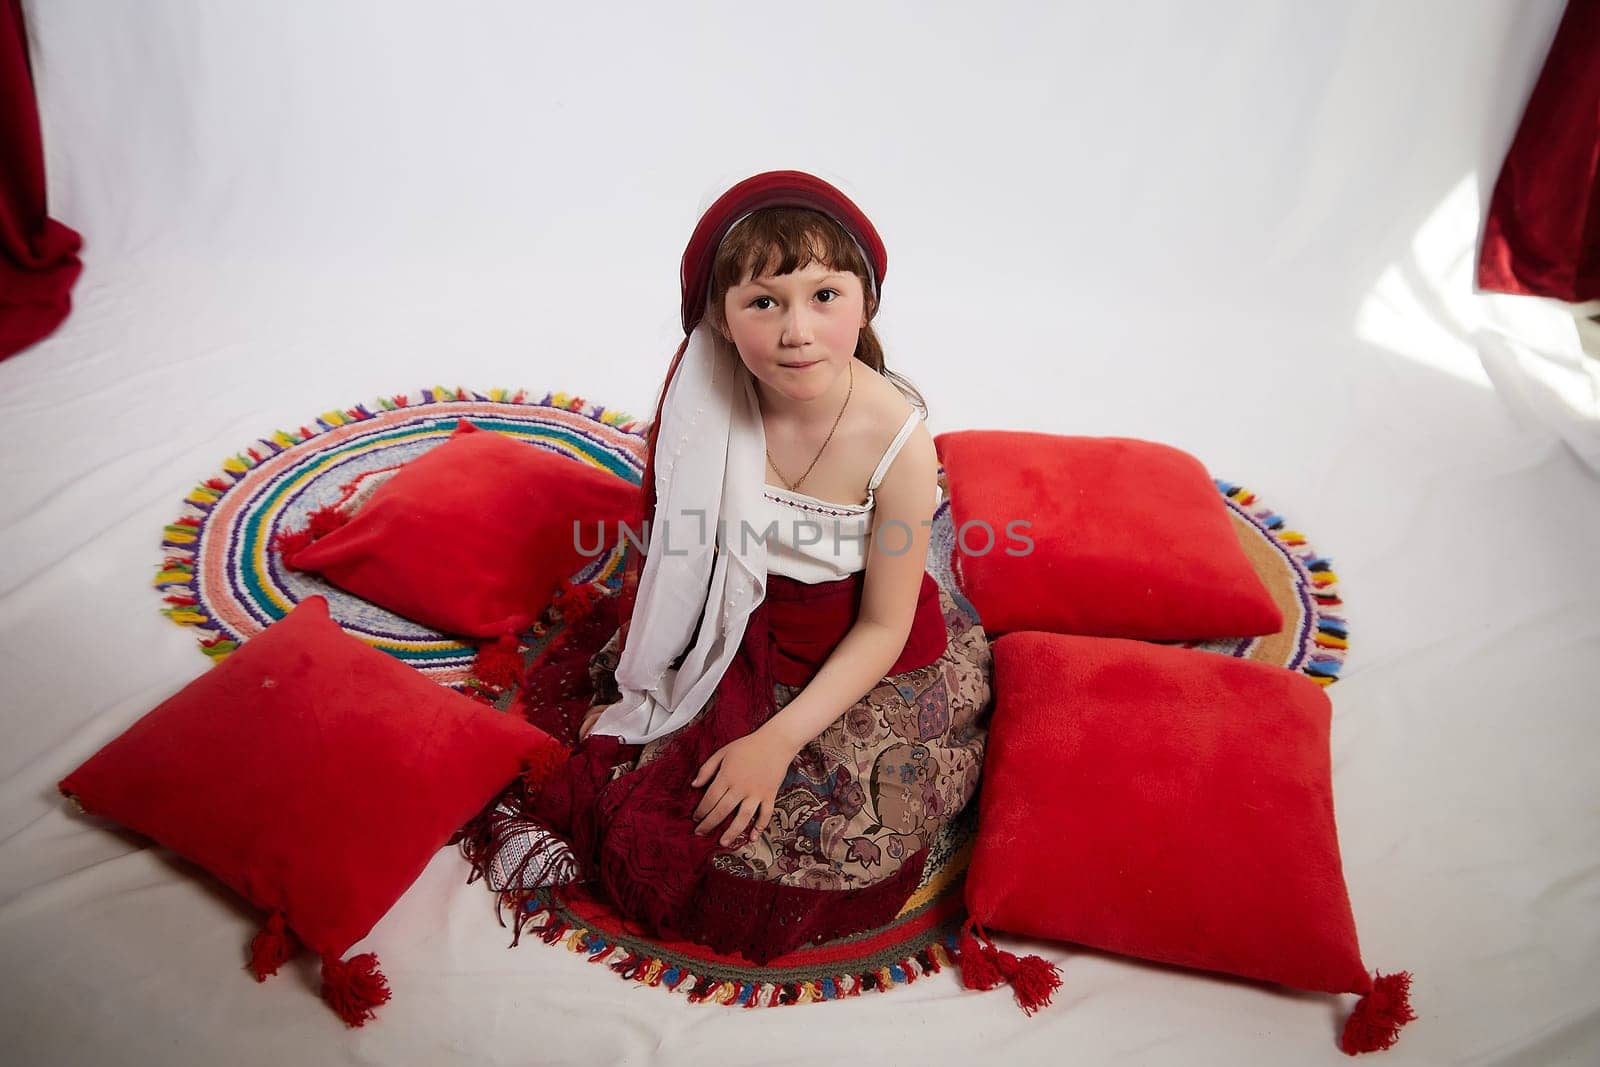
(1243,228)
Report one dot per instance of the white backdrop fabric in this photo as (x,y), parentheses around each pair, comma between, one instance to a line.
(1242,228)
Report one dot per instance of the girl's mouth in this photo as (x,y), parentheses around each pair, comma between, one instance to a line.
(800,366)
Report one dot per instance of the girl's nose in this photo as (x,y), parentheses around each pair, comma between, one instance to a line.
(797,327)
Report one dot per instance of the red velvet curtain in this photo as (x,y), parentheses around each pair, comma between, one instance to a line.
(38,256)
(1542,237)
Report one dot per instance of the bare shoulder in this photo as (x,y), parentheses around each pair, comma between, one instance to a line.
(889,409)
(914,470)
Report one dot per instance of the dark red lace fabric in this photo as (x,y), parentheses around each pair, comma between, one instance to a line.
(635,830)
(556,690)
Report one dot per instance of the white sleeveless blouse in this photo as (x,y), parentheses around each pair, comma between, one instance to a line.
(819,540)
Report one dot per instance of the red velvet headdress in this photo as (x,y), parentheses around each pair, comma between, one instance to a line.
(775,188)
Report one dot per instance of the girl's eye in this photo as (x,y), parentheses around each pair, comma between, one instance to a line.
(833,295)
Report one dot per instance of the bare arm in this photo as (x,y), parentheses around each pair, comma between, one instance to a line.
(896,559)
(742,778)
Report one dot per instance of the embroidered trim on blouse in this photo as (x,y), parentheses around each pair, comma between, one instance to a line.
(821,507)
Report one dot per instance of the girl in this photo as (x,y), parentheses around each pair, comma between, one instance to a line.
(790,710)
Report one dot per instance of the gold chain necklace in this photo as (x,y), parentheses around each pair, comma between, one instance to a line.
(794,486)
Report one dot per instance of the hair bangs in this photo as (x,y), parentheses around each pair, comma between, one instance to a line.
(782,240)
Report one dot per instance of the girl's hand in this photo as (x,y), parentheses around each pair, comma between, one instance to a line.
(590,719)
(747,774)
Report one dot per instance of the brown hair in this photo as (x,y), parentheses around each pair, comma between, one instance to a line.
(773,240)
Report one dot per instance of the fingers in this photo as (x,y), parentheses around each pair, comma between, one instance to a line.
(709,801)
(707,769)
(723,807)
(747,814)
(741,819)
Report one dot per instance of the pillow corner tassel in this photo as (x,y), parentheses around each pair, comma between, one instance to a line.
(541,764)
(1033,979)
(498,663)
(1375,1023)
(574,602)
(271,948)
(354,987)
(319,524)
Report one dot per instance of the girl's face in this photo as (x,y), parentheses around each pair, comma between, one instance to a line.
(797,332)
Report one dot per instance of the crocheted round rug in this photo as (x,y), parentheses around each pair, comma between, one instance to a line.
(219,575)
(920,941)
(1315,638)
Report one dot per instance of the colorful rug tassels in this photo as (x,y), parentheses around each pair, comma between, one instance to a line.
(1329,644)
(637,966)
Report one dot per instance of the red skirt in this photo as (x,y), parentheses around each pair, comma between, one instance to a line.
(633,826)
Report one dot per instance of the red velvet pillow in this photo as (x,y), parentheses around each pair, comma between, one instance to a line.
(1129,539)
(1169,804)
(315,776)
(474,537)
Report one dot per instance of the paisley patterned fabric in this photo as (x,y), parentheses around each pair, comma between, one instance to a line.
(853,821)
(880,783)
